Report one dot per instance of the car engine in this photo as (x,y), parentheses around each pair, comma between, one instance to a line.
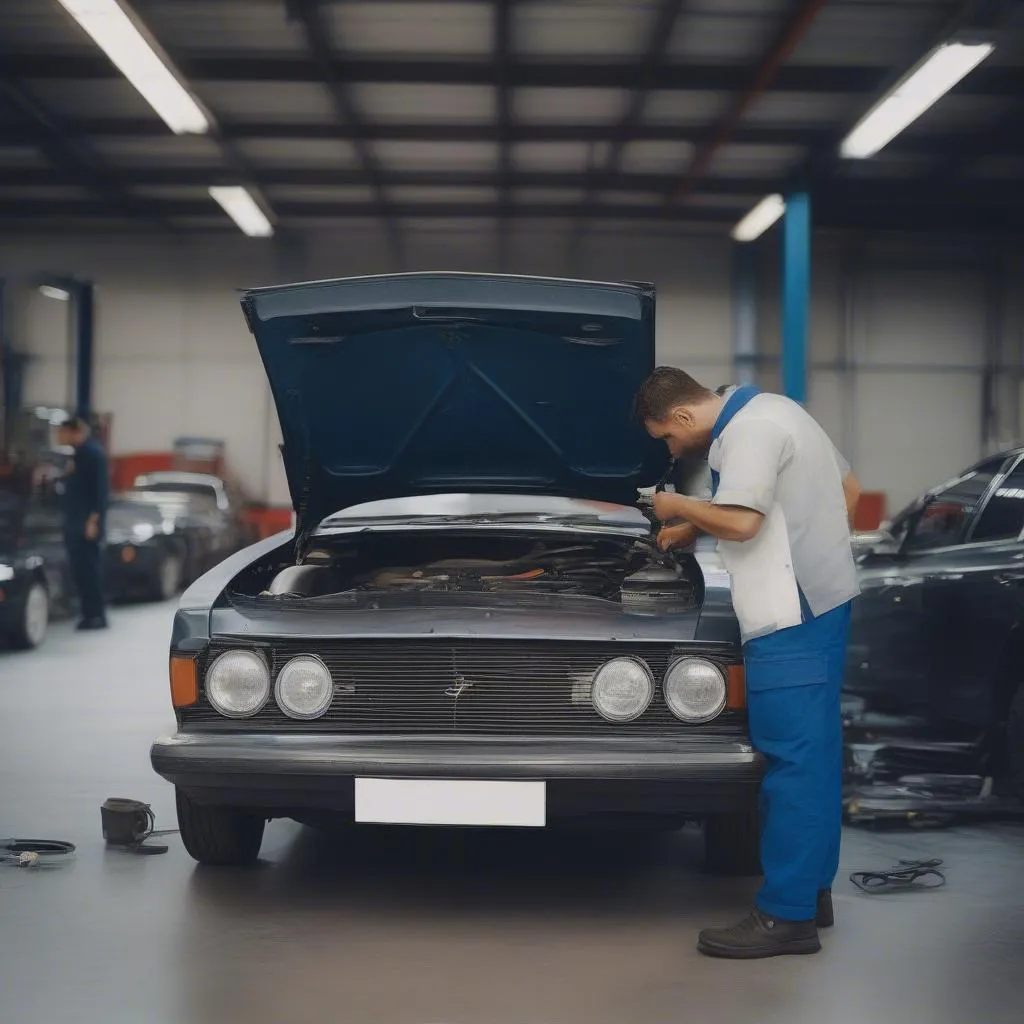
(633,573)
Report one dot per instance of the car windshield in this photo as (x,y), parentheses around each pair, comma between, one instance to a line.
(947,510)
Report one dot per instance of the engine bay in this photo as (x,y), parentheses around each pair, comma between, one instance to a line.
(631,572)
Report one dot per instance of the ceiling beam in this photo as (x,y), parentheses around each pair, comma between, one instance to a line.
(329,66)
(831,212)
(986,141)
(895,189)
(201,177)
(553,72)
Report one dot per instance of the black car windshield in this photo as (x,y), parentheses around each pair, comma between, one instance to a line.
(947,510)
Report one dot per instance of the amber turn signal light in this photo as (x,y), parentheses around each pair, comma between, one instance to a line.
(736,688)
(184,681)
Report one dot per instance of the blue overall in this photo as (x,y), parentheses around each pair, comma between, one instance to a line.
(794,677)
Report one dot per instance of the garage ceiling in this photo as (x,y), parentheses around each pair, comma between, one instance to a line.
(581,111)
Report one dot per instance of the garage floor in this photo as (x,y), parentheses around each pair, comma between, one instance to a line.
(408,927)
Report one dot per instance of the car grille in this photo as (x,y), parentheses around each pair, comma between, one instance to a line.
(463,686)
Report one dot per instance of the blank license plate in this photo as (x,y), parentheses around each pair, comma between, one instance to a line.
(450,802)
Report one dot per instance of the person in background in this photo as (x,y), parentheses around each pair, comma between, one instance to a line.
(782,501)
(86,489)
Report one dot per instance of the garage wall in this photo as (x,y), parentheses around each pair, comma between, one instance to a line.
(900,331)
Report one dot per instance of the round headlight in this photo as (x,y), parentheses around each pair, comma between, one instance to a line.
(622,689)
(238,683)
(304,688)
(695,690)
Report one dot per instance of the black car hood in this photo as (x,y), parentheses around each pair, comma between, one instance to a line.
(429,383)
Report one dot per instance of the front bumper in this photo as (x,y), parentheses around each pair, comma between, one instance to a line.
(285,774)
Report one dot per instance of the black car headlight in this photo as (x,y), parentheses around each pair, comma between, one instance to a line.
(695,690)
(238,683)
(622,689)
(304,688)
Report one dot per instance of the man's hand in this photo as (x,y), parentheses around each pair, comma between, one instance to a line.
(92,527)
(681,536)
(667,506)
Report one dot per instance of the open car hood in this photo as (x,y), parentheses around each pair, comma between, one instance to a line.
(429,383)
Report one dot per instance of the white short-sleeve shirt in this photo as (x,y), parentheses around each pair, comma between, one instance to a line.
(773,457)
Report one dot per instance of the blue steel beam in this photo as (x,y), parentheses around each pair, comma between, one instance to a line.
(796,294)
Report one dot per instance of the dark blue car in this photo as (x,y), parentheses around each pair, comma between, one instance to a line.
(471,623)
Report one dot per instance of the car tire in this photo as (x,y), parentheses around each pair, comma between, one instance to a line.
(169,578)
(1015,743)
(33,618)
(732,843)
(219,836)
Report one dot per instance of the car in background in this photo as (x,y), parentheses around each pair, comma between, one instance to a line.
(202,509)
(472,623)
(938,630)
(35,575)
(146,554)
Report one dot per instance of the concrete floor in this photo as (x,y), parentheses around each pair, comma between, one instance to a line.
(411,927)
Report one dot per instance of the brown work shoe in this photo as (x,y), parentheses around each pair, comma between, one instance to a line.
(760,935)
(824,916)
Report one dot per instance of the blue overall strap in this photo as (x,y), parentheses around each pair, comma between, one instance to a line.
(736,401)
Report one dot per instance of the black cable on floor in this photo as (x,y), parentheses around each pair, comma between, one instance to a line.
(29,852)
(907,874)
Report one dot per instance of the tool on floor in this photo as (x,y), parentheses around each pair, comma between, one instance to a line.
(128,824)
(907,874)
(30,853)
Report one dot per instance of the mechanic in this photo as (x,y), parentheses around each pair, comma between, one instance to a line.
(782,502)
(86,487)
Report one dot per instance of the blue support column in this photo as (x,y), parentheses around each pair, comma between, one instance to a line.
(744,313)
(796,294)
(84,325)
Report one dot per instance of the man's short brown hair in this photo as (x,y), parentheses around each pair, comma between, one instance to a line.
(665,388)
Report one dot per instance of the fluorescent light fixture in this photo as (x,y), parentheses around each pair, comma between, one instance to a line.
(116,35)
(51,291)
(242,209)
(760,218)
(931,79)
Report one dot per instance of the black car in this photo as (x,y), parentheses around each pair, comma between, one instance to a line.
(210,530)
(35,576)
(472,623)
(146,554)
(939,628)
